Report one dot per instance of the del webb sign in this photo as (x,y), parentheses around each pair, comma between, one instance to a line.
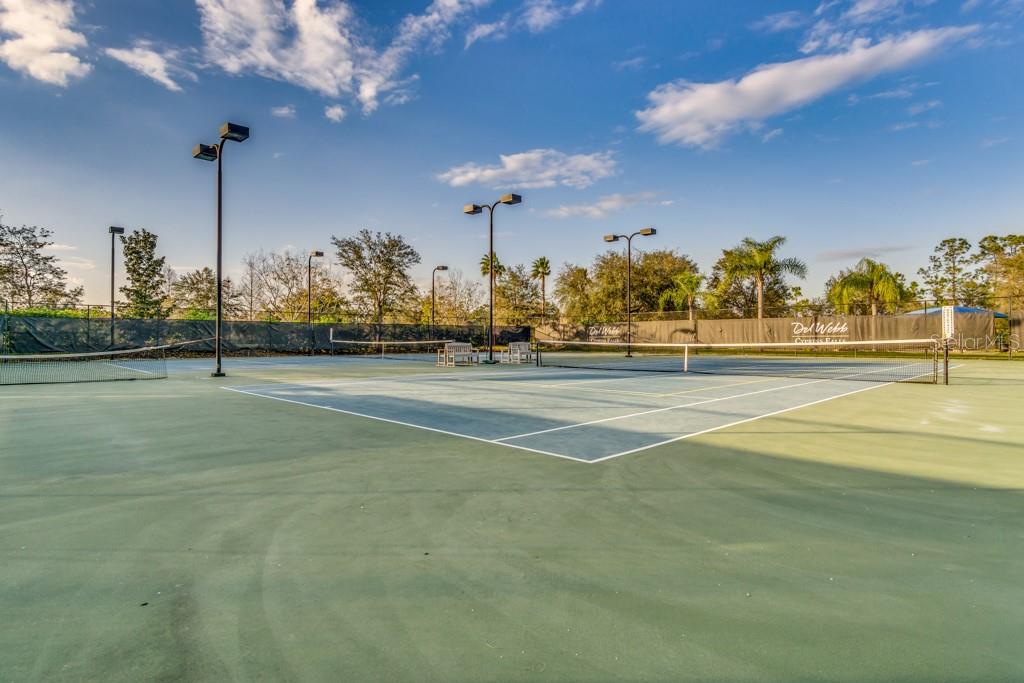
(820,331)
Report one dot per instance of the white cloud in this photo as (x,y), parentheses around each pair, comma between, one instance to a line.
(535,16)
(496,30)
(320,46)
(994,142)
(535,168)
(40,40)
(603,206)
(285,111)
(862,252)
(61,247)
(153,64)
(77,263)
(541,15)
(781,21)
(922,107)
(906,125)
(701,114)
(335,113)
(771,135)
(631,64)
(920,162)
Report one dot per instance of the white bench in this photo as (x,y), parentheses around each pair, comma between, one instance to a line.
(457,353)
(517,352)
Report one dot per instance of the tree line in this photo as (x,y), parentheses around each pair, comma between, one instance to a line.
(752,278)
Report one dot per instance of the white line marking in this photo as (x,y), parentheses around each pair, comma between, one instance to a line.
(404,424)
(657,410)
(440,375)
(739,422)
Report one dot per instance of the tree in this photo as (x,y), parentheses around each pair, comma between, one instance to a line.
(686,287)
(517,295)
(379,265)
(196,294)
(459,301)
(573,289)
(145,271)
(27,275)
(541,270)
(1001,266)
(758,263)
(945,276)
(485,266)
(249,287)
(654,273)
(869,282)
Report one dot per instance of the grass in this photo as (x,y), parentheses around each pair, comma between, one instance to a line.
(168,530)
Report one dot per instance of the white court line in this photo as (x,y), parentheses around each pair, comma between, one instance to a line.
(442,375)
(739,422)
(656,410)
(756,417)
(404,424)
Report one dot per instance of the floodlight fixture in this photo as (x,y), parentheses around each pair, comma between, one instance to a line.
(647,232)
(472,209)
(511,199)
(611,238)
(205,152)
(234,132)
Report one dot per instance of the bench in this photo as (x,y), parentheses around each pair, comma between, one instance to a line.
(457,353)
(517,352)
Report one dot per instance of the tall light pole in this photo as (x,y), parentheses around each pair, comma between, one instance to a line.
(433,295)
(114,232)
(646,232)
(237,133)
(473,209)
(309,298)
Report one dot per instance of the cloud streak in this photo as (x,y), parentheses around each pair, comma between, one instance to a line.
(602,206)
(536,168)
(154,64)
(702,114)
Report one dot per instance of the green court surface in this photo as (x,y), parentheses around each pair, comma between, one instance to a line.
(175,530)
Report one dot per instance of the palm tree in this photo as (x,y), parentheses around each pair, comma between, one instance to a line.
(684,291)
(485,266)
(541,270)
(869,280)
(757,261)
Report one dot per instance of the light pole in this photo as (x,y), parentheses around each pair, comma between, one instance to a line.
(309,298)
(114,232)
(237,133)
(646,232)
(473,209)
(433,295)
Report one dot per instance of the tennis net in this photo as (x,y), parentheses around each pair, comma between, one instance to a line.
(421,350)
(98,366)
(901,360)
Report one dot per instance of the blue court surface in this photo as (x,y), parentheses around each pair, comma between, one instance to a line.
(582,415)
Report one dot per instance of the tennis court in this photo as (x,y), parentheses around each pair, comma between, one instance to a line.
(579,414)
(277,523)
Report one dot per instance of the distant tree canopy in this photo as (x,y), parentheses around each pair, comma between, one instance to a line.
(144,292)
(28,276)
(752,278)
(379,266)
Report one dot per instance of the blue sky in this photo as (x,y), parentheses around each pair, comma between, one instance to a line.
(854,127)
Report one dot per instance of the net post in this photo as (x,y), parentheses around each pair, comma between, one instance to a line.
(945,362)
(686,358)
